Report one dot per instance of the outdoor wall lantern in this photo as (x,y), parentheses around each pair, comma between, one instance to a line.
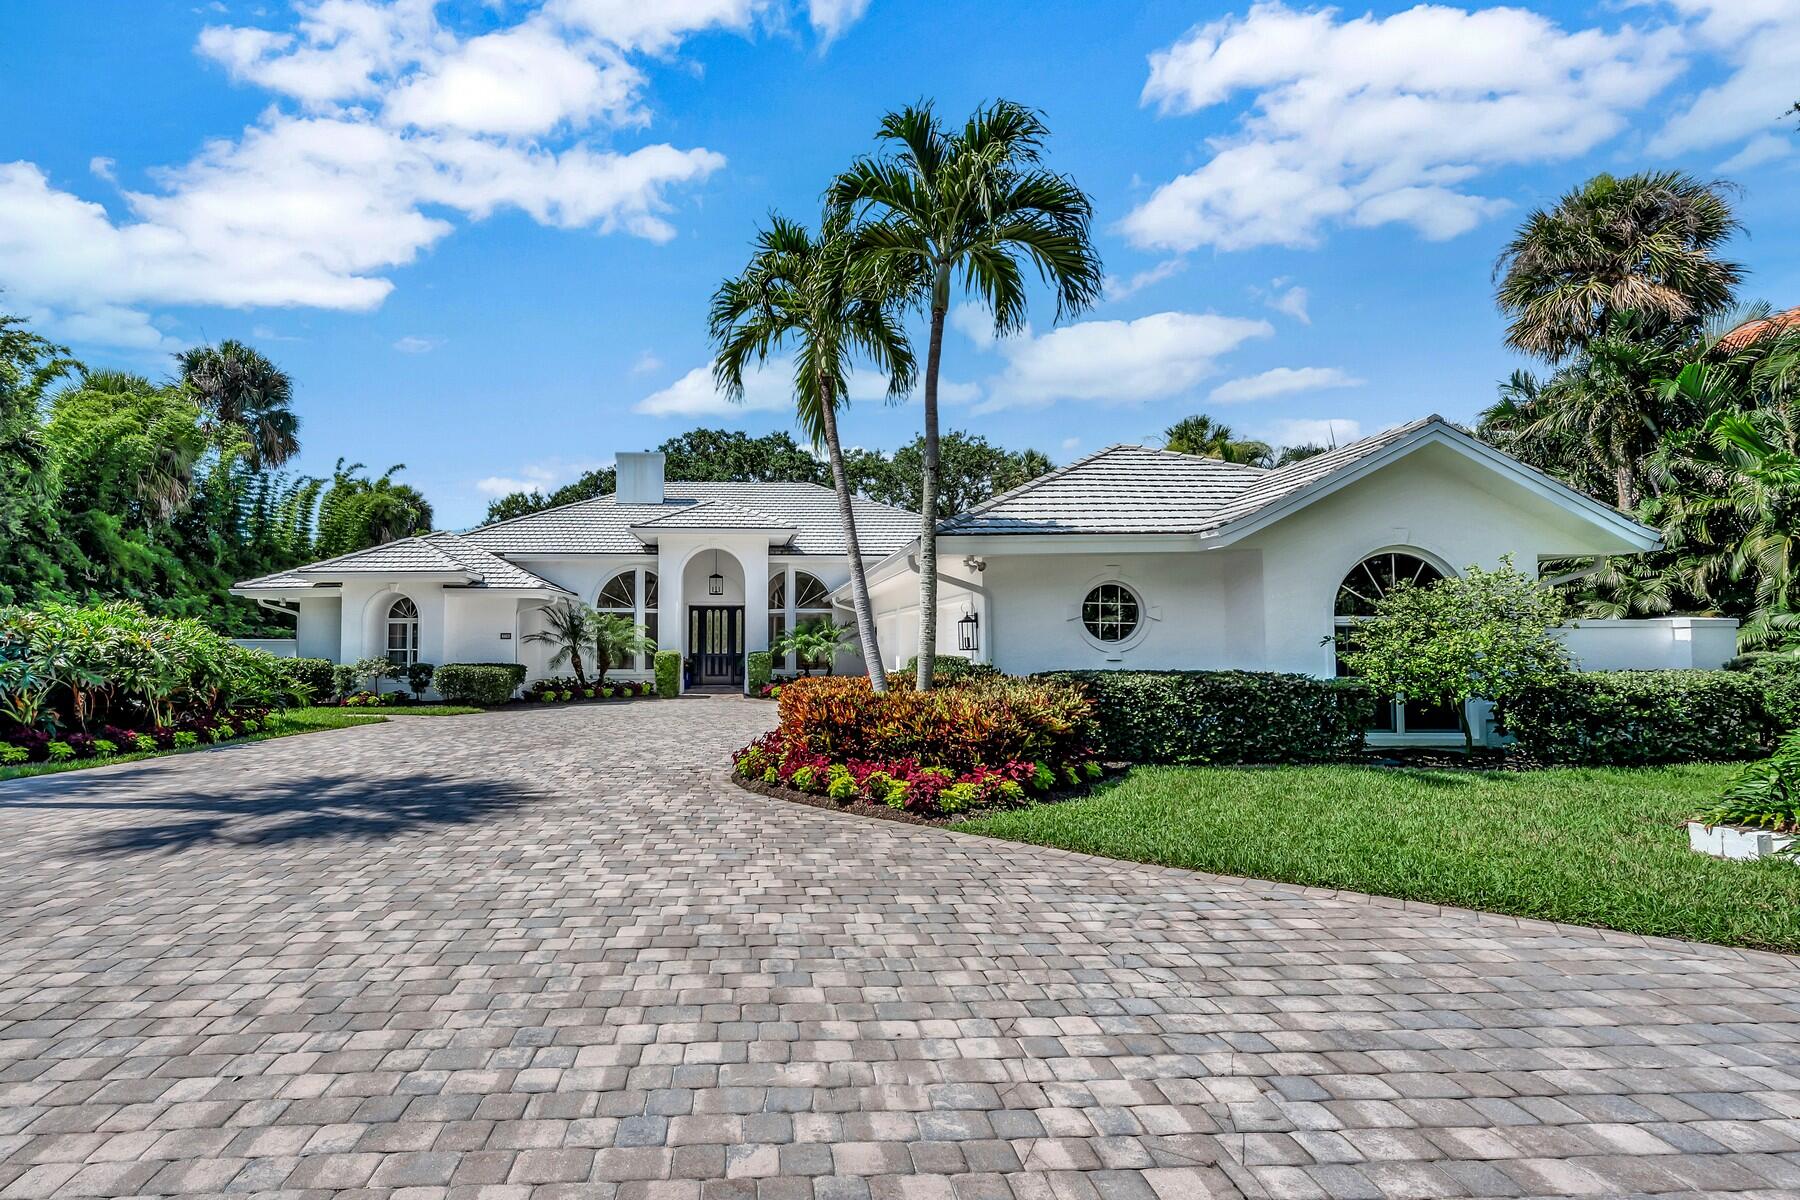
(715,583)
(968,632)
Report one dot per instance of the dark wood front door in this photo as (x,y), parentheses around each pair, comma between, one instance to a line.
(716,641)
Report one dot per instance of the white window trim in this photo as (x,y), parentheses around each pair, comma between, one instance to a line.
(638,611)
(1147,613)
(411,625)
(790,613)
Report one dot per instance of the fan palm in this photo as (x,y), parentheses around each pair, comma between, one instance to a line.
(241,390)
(1203,437)
(617,640)
(569,627)
(818,642)
(1644,243)
(809,291)
(968,207)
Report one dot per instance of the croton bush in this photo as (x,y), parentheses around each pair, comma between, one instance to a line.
(981,744)
(80,682)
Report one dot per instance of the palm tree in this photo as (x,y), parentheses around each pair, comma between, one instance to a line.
(241,390)
(967,207)
(1644,243)
(1203,437)
(818,642)
(809,291)
(358,512)
(569,627)
(616,642)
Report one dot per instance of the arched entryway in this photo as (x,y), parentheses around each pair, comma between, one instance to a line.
(712,583)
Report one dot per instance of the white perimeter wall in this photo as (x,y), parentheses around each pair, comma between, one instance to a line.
(1652,643)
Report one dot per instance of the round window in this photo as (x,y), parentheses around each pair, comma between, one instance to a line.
(1110,612)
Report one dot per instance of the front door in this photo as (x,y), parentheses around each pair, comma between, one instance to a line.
(716,640)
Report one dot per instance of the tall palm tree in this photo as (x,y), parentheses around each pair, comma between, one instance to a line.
(1645,243)
(969,207)
(568,628)
(240,390)
(809,291)
(1203,437)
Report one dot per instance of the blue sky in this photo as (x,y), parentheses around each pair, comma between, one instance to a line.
(481,234)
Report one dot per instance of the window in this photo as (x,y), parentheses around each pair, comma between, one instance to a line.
(777,616)
(1110,613)
(403,633)
(1367,582)
(620,598)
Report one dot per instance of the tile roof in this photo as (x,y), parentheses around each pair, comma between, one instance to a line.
(603,526)
(445,553)
(713,514)
(1752,332)
(1137,489)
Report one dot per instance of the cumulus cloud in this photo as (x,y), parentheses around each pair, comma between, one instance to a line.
(1282,381)
(389,130)
(1116,362)
(1379,120)
(1311,431)
(541,477)
(1131,285)
(1759,40)
(1291,302)
(769,388)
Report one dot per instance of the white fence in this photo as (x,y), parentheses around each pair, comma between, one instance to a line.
(1651,643)
(279,647)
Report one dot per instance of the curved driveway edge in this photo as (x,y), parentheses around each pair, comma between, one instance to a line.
(542,953)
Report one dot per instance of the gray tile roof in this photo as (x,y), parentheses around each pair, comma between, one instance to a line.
(713,514)
(1136,489)
(436,553)
(603,526)
(280,579)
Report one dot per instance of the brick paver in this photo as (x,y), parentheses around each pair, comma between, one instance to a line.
(552,953)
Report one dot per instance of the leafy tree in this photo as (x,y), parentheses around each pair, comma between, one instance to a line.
(970,470)
(1644,243)
(29,568)
(570,627)
(1204,437)
(810,292)
(969,207)
(816,643)
(358,512)
(1483,635)
(731,456)
(242,393)
(616,642)
(599,482)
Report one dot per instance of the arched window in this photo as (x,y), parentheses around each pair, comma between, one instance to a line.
(1357,596)
(1110,612)
(777,616)
(812,599)
(632,594)
(403,633)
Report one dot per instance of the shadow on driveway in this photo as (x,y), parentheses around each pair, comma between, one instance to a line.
(305,808)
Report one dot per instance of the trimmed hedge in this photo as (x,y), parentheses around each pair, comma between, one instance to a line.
(951,668)
(1633,718)
(312,676)
(668,673)
(1778,676)
(759,668)
(479,683)
(1224,716)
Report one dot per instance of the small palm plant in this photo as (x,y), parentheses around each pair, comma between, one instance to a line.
(570,628)
(616,641)
(816,643)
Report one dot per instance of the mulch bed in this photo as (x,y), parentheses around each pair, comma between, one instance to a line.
(881,812)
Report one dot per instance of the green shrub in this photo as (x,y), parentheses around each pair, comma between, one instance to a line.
(311,677)
(12,756)
(344,681)
(1224,716)
(1630,718)
(1763,795)
(186,739)
(1778,677)
(105,748)
(949,669)
(759,668)
(60,751)
(418,678)
(143,742)
(479,683)
(668,673)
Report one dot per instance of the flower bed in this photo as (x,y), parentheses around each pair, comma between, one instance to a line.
(986,744)
(569,690)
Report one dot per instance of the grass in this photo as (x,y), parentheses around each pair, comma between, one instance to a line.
(293,721)
(1585,847)
(415,710)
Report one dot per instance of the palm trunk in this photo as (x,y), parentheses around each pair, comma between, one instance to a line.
(575,661)
(859,583)
(928,492)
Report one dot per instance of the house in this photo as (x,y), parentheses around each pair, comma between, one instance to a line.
(713,570)
(1129,558)
(1140,558)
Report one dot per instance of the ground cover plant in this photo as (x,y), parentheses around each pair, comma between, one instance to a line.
(1586,846)
(981,744)
(283,723)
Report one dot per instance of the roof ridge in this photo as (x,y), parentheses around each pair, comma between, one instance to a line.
(424,539)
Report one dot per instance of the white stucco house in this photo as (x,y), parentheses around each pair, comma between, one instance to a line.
(1129,558)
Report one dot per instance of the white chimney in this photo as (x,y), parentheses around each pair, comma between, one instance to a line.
(640,477)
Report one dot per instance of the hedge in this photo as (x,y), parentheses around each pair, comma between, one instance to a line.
(1632,718)
(1778,677)
(479,683)
(311,677)
(759,668)
(668,673)
(1224,716)
(949,669)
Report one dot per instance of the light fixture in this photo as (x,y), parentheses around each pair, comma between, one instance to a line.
(968,632)
(715,583)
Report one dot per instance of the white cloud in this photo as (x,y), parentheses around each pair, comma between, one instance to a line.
(541,477)
(1372,120)
(1760,41)
(769,388)
(1291,302)
(1282,381)
(1311,431)
(1119,289)
(1070,443)
(646,362)
(412,344)
(1116,362)
(1763,148)
(830,18)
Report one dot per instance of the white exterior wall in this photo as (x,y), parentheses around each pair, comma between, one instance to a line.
(960,590)
(1652,643)
(319,627)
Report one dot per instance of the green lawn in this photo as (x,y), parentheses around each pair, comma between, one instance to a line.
(415,710)
(1586,847)
(294,720)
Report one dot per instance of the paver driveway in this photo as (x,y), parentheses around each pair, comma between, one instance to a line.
(552,952)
